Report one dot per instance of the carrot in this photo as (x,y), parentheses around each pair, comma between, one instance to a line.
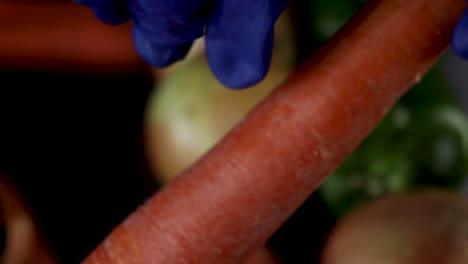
(226,206)
(262,256)
(24,242)
(62,36)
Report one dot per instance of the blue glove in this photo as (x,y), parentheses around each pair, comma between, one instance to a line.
(238,33)
(460,37)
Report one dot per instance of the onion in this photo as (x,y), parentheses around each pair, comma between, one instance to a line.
(190,110)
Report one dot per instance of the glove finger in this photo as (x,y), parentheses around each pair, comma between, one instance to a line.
(164,30)
(113,12)
(460,37)
(239,40)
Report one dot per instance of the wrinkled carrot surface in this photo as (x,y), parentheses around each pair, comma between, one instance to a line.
(230,202)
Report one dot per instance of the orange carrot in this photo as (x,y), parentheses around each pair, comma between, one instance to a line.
(226,206)
(24,242)
(262,256)
(62,36)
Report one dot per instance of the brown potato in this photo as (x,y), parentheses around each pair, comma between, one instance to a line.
(422,227)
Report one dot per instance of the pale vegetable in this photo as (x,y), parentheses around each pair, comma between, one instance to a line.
(190,110)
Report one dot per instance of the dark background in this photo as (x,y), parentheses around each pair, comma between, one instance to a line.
(73,146)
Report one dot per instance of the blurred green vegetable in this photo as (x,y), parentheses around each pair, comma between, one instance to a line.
(330,15)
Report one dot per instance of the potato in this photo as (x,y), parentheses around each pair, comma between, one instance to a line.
(421,227)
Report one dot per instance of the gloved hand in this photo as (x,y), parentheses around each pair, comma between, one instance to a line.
(238,33)
(460,37)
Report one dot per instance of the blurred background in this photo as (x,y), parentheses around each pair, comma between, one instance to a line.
(88,130)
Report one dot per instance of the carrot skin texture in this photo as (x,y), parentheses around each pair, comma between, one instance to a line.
(226,206)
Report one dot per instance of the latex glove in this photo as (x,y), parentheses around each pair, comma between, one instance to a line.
(460,37)
(238,33)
